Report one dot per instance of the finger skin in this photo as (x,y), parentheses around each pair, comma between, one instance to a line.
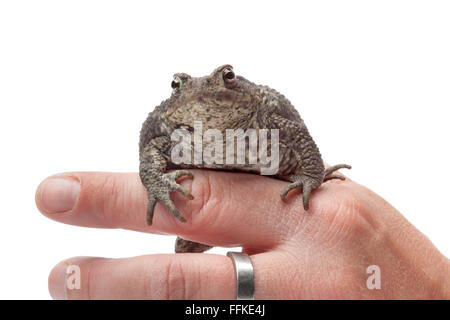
(277,274)
(175,276)
(325,254)
(228,209)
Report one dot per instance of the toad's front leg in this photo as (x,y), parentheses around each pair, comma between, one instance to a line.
(159,185)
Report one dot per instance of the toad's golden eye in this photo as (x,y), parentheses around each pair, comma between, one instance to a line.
(176,84)
(228,75)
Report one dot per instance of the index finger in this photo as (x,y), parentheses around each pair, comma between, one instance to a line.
(228,209)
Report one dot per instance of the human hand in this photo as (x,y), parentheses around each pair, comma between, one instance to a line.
(319,254)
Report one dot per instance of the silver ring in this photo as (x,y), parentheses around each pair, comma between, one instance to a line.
(245,280)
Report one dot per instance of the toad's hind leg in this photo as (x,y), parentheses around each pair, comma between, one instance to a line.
(307,183)
(182,245)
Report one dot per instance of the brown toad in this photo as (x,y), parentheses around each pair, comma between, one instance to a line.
(223,101)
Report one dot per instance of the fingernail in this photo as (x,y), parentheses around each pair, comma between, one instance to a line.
(58,194)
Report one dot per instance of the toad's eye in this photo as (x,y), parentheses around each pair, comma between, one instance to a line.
(228,75)
(176,84)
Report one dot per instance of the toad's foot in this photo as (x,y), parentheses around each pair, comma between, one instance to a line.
(301,181)
(329,172)
(159,189)
(308,184)
(182,245)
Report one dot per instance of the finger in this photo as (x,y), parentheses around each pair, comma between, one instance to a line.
(175,276)
(179,276)
(228,209)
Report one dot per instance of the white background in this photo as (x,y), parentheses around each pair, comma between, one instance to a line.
(77,78)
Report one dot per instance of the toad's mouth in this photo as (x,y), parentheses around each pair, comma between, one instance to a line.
(222,98)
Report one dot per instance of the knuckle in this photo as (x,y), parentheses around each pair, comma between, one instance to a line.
(342,215)
(349,200)
(113,198)
(209,200)
(353,212)
(348,210)
(176,281)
